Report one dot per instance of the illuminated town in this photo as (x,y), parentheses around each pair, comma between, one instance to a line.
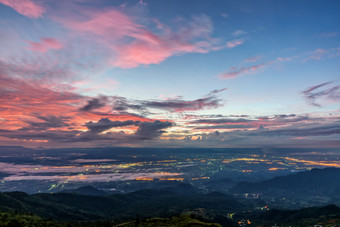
(130,167)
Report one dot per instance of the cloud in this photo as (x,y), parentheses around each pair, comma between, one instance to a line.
(221,121)
(106,124)
(182,105)
(234,43)
(45,68)
(47,122)
(41,136)
(299,135)
(149,48)
(94,104)
(133,44)
(145,130)
(45,44)
(254,59)
(318,54)
(224,15)
(229,126)
(89,178)
(321,53)
(306,131)
(16,172)
(290,118)
(330,34)
(25,97)
(150,130)
(178,105)
(27,8)
(123,105)
(81,160)
(248,122)
(238,33)
(105,24)
(209,101)
(319,91)
(236,72)
(40,112)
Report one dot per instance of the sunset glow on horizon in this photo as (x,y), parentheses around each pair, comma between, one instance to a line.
(148,73)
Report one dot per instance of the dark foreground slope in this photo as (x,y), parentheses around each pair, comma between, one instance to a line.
(11,219)
(328,216)
(325,216)
(180,220)
(144,203)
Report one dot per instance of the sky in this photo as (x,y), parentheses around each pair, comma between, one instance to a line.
(150,73)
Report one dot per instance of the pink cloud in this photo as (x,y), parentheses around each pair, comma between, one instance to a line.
(238,33)
(224,15)
(254,59)
(25,7)
(234,43)
(327,35)
(145,53)
(150,48)
(234,72)
(106,25)
(318,54)
(134,44)
(45,44)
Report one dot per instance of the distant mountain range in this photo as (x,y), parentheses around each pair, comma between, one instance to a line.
(86,190)
(322,184)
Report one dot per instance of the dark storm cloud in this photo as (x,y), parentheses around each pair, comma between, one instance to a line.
(236,72)
(231,126)
(94,103)
(61,136)
(216,91)
(221,121)
(178,105)
(106,124)
(145,131)
(120,114)
(319,91)
(230,123)
(283,118)
(285,115)
(46,122)
(307,131)
(150,130)
(122,105)
(182,105)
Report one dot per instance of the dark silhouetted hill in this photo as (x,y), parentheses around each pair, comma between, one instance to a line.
(316,182)
(143,203)
(86,190)
(326,216)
